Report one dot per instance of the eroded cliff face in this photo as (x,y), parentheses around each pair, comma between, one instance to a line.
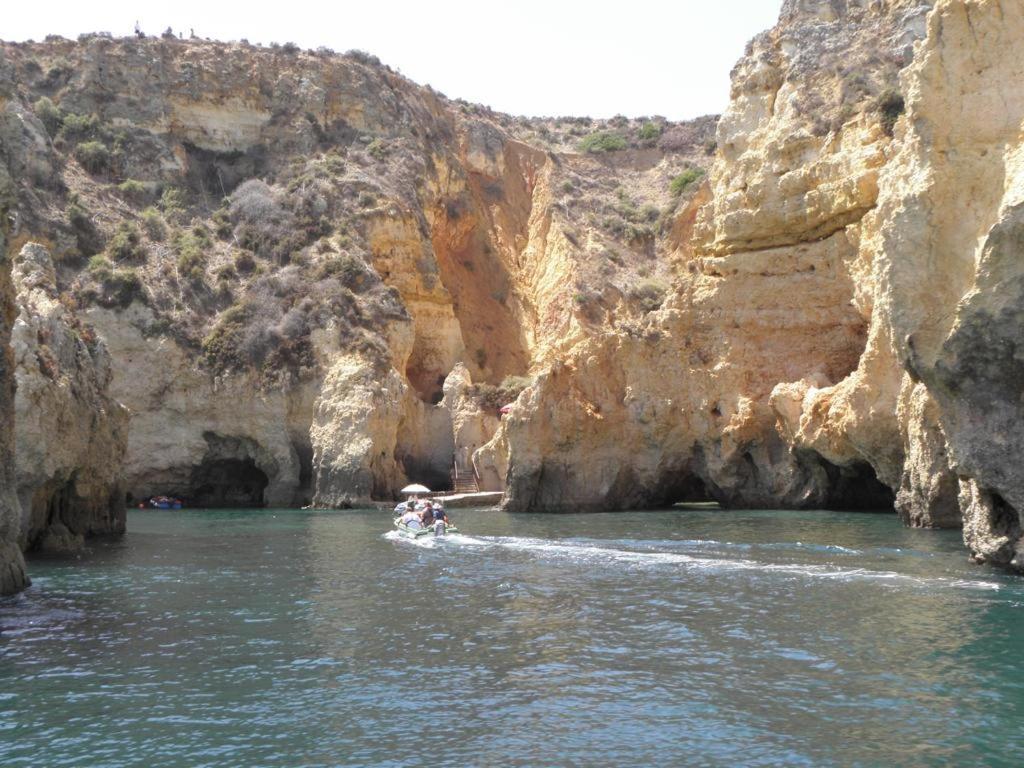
(718,392)
(12,563)
(845,330)
(70,436)
(317,280)
(948,253)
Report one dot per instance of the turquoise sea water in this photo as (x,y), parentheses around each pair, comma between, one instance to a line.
(685,637)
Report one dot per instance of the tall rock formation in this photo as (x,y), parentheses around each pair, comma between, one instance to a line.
(12,564)
(70,436)
(948,250)
(712,395)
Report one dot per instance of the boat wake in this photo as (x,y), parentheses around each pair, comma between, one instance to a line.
(656,554)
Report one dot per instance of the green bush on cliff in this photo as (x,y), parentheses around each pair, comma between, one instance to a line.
(124,286)
(93,155)
(49,115)
(77,127)
(649,132)
(172,203)
(154,224)
(126,244)
(133,191)
(681,182)
(603,141)
(222,345)
(100,267)
(120,287)
(377,149)
(191,249)
(348,269)
(890,106)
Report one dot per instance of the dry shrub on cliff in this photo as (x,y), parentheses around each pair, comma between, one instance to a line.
(890,106)
(650,294)
(263,223)
(126,244)
(491,397)
(689,137)
(268,331)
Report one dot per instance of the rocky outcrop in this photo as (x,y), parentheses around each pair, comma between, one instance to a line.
(183,419)
(70,435)
(729,391)
(374,237)
(947,248)
(12,564)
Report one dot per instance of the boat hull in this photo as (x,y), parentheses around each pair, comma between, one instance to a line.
(419,533)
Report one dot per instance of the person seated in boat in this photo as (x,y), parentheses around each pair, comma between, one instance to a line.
(437,513)
(401,508)
(426,513)
(411,519)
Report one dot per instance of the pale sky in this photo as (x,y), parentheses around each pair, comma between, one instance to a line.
(525,57)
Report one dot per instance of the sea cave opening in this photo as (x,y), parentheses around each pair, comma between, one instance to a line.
(856,487)
(228,482)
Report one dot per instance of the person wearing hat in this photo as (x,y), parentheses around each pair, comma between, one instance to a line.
(438,513)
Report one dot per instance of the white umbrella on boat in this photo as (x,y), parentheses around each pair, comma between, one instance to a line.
(415,488)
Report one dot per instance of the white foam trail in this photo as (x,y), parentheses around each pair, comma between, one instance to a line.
(425,542)
(586,552)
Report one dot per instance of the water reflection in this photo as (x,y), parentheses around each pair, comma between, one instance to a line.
(283,638)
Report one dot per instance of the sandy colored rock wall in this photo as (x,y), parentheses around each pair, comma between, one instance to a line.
(180,415)
(12,564)
(70,434)
(947,247)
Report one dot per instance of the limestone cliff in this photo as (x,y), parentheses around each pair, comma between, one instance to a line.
(771,304)
(845,330)
(288,254)
(12,564)
(318,280)
(70,436)
(948,246)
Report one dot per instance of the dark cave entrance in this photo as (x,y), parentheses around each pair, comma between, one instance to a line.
(421,470)
(857,488)
(228,482)
(683,487)
(304,450)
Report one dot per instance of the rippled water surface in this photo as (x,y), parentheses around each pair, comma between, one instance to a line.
(688,637)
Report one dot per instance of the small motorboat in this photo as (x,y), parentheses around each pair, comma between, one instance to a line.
(436,528)
(164,502)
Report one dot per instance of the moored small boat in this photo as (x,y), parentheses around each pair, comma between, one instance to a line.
(164,502)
